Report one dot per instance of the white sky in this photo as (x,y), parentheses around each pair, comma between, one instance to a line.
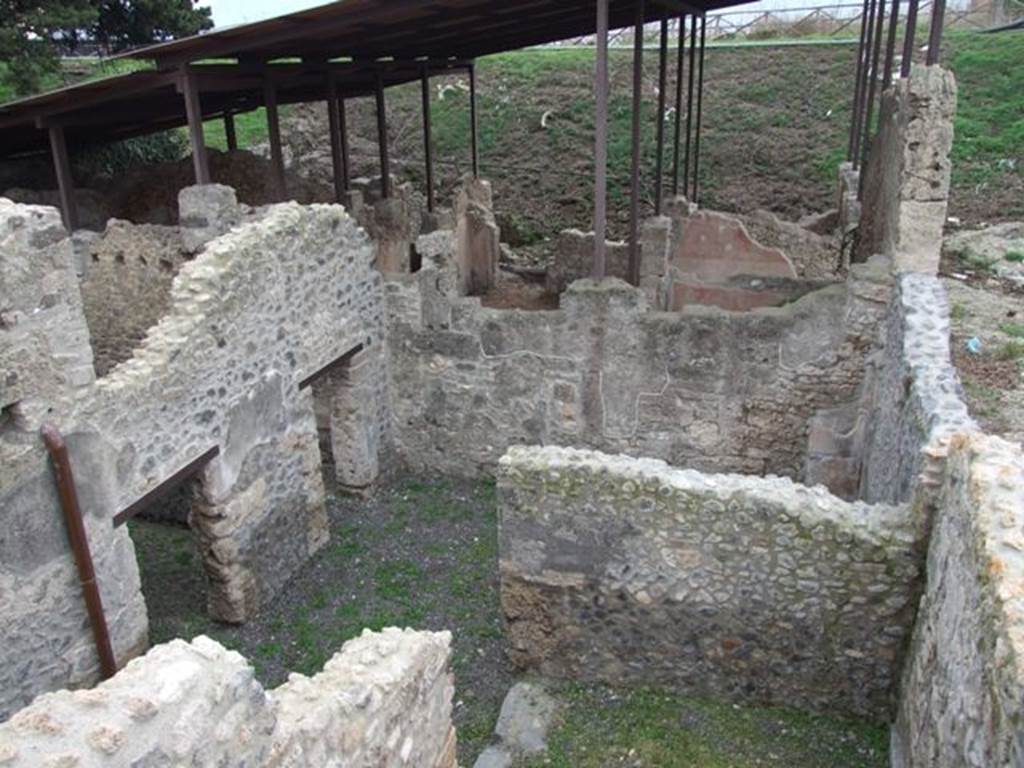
(227,12)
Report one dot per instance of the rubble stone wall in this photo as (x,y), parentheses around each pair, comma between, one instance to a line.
(962,697)
(757,590)
(912,401)
(384,699)
(705,388)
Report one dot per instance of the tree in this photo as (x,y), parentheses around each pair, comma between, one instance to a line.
(29,33)
(123,24)
(32,32)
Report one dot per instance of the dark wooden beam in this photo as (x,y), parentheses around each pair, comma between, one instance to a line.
(679,105)
(229,131)
(601,142)
(662,86)
(65,182)
(274,135)
(700,104)
(634,185)
(334,109)
(382,139)
(194,115)
(428,151)
(474,138)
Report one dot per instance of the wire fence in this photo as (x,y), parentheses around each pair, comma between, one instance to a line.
(838,21)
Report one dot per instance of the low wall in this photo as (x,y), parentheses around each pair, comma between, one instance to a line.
(384,699)
(757,590)
(912,401)
(962,697)
(707,388)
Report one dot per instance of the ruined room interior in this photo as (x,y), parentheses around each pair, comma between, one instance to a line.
(727,456)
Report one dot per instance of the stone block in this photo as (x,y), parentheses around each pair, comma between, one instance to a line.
(205,212)
(713,247)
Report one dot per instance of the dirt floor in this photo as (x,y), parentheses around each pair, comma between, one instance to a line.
(423,553)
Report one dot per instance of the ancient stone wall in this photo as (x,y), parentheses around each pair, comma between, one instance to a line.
(912,401)
(752,589)
(704,388)
(384,699)
(906,183)
(962,697)
(46,363)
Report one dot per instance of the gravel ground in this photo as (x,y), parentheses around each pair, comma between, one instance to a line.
(417,552)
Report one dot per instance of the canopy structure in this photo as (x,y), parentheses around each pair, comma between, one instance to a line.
(357,48)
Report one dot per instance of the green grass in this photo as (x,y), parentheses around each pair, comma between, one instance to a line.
(1016,257)
(250,129)
(601,727)
(1011,350)
(1016,330)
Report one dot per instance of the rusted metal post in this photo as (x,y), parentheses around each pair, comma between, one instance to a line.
(865,75)
(872,83)
(428,152)
(194,113)
(689,103)
(679,105)
(340,177)
(274,135)
(634,187)
(700,103)
(474,134)
(229,131)
(65,181)
(662,85)
(908,39)
(890,45)
(851,147)
(935,33)
(382,139)
(601,142)
(65,478)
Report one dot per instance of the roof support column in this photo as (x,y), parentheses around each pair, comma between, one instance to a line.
(194,113)
(274,134)
(428,152)
(872,82)
(857,90)
(229,131)
(700,104)
(908,39)
(339,142)
(601,142)
(890,45)
(474,135)
(935,33)
(858,117)
(65,183)
(634,186)
(689,104)
(382,138)
(662,85)
(679,105)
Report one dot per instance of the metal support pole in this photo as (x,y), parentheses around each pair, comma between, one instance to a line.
(634,187)
(65,478)
(908,39)
(866,73)
(872,83)
(339,172)
(382,139)
(601,142)
(474,135)
(343,134)
(428,153)
(935,33)
(700,103)
(890,45)
(689,103)
(662,85)
(65,181)
(851,147)
(194,113)
(679,105)
(229,131)
(274,135)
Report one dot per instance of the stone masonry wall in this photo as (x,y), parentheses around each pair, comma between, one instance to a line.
(906,184)
(962,698)
(912,400)
(45,363)
(756,590)
(385,699)
(704,388)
